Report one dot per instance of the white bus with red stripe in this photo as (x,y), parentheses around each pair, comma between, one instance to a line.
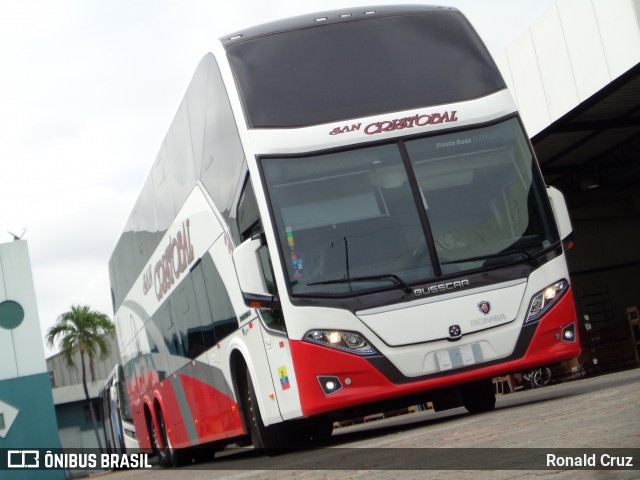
(345,216)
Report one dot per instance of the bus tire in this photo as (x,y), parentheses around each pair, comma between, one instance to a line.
(272,439)
(167,456)
(479,396)
(156,442)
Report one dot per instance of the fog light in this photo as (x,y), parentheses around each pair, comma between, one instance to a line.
(329,384)
(569,333)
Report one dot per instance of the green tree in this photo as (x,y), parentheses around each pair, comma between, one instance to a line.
(85,331)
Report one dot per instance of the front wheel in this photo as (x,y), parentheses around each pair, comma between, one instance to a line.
(314,430)
(273,439)
(478,397)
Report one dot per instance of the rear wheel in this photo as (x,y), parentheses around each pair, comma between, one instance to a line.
(157,442)
(167,455)
(479,396)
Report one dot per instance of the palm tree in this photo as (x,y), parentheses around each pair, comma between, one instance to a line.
(83,330)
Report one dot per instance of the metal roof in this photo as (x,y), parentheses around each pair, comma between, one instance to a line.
(597,142)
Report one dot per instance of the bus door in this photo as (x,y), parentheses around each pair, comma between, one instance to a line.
(275,338)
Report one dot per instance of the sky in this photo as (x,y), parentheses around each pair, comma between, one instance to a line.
(88,90)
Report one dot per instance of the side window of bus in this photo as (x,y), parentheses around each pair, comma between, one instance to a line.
(185,308)
(249,223)
(223,317)
(169,331)
(204,309)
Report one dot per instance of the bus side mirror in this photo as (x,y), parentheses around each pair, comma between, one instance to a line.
(251,276)
(561,214)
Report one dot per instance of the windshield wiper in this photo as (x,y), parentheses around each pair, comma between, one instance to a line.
(531,259)
(385,276)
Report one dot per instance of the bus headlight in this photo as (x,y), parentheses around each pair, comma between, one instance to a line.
(543,300)
(346,341)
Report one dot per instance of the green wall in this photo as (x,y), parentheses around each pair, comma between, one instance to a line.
(35,425)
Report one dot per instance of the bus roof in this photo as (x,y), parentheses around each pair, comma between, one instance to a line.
(326,17)
(337,66)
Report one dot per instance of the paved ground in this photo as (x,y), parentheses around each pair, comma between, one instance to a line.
(597,413)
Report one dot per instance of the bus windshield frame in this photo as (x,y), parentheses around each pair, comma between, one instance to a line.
(408,212)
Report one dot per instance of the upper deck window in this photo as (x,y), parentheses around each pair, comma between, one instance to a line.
(350,69)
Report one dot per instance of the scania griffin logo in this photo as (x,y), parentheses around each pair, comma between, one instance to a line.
(484,307)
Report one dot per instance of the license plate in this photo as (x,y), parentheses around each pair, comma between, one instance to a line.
(457,357)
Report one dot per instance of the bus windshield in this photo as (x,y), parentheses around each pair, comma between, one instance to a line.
(364,219)
(358,68)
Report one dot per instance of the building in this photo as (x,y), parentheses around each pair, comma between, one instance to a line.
(27,416)
(75,425)
(575,75)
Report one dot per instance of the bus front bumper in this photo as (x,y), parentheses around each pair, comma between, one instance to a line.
(331,380)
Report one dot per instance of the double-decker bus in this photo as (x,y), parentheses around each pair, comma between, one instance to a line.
(345,216)
(120,434)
